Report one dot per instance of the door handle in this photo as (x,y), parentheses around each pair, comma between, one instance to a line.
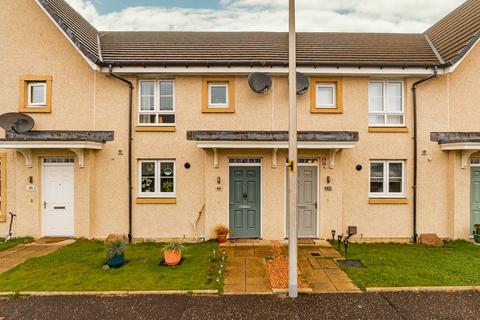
(59,208)
(44,204)
(315,203)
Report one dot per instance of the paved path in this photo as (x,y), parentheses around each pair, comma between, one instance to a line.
(246,268)
(12,257)
(336,306)
(247,271)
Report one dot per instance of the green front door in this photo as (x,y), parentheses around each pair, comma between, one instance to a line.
(244,202)
(475,198)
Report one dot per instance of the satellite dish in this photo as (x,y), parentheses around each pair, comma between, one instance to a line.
(16,122)
(259,82)
(302,83)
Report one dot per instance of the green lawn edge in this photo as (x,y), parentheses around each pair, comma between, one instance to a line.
(78,267)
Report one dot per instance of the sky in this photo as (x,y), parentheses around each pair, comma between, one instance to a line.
(264,15)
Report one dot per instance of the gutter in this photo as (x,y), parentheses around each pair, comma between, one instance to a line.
(130,139)
(415,152)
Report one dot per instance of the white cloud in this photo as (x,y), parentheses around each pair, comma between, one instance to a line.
(257,15)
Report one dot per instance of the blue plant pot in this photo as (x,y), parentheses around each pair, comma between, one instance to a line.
(116,261)
(476,237)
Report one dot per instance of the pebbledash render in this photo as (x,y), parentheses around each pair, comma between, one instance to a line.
(195,146)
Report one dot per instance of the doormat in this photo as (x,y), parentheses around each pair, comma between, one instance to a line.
(47,240)
(163,264)
(351,263)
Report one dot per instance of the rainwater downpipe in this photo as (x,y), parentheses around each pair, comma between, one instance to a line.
(130,139)
(415,152)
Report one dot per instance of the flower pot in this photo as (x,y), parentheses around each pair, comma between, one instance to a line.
(172,257)
(116,261)
(476,237)
(222,239)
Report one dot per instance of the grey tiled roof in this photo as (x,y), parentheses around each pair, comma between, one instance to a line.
(457,32)
(450,38)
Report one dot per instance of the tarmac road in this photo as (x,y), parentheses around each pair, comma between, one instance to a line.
(405,305)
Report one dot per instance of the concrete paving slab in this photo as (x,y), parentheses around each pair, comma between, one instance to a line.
(345,286)
(326,264)
(244,251)
(329,252)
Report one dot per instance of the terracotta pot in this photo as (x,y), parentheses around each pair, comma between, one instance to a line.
(222,239)
(172,257)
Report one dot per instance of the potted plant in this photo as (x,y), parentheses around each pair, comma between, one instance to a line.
(172,254)
(221,232)
(116,253)
(476,233)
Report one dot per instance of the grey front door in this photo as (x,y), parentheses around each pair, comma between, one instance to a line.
(307,205)
(475,198)
(307,201)
(244,202)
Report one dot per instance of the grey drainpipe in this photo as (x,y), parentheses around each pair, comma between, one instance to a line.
(415,144)
(130,139)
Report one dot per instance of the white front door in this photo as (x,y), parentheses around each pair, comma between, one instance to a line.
(57,197)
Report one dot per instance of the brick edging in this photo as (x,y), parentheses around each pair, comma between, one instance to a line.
(109,293)
(424,289)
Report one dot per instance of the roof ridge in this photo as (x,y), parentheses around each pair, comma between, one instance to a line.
(430,43)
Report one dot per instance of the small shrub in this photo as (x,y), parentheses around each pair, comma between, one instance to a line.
(173,246)
(221,230)
(476,229)
(115,248)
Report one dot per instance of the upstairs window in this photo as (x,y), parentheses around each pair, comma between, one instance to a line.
(218,94)
(157,103)
(387,179)
(35,94)
(386,103)
(326,95)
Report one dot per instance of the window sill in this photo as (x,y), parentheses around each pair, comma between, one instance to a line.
(388,201)
(156,201)
(336,110)
(155,128)
(218,110)
(35,110)
(388,129)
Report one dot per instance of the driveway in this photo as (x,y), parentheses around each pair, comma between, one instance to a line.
(433,305)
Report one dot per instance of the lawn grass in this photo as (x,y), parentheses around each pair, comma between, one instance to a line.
(456,263)
(12,243)
(78,267)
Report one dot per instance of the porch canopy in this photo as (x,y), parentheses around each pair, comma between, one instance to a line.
(467,143)
(75,141)
(333,141)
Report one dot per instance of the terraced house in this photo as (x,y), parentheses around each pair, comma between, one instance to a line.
(159,134)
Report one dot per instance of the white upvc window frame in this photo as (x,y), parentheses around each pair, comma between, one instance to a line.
(156,104)
(333,86)
(221,84)
(157,176)
(386,180)
(31,84)
(385,113)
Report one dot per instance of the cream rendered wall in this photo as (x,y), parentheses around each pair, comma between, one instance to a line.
(82,100)
(87,100)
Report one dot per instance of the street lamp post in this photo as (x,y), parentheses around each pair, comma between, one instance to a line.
(292,157)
